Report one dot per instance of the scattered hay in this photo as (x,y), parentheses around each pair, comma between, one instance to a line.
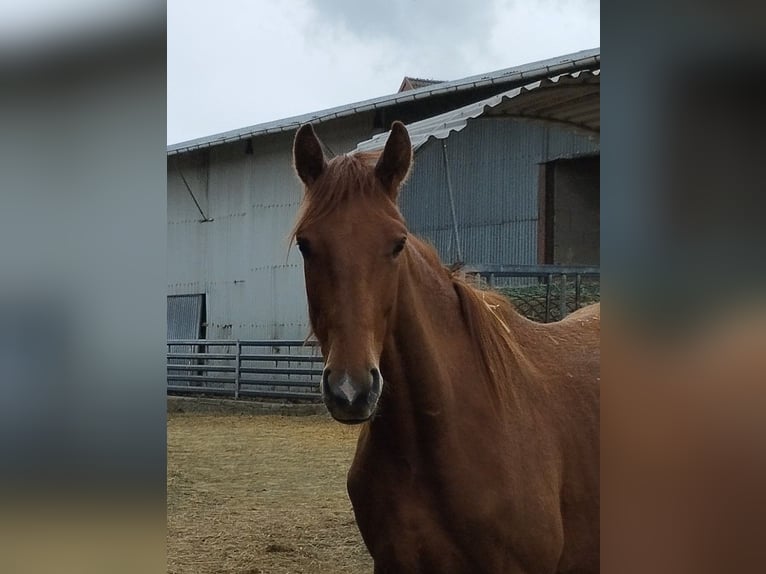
(261,494)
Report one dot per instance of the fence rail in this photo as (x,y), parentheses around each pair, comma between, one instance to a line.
(284,369)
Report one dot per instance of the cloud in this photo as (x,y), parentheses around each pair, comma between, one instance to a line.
(437,31)
(449,39)
(410,21)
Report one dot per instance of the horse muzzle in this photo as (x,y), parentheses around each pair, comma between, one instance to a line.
(351,398)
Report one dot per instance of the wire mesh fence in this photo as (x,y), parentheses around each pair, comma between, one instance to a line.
(543,293)
(532,301)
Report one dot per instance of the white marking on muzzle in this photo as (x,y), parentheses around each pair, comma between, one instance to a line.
(348,389)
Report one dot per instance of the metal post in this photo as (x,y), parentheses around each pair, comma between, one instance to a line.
(205,218)
(548,282)
(563,297)
(202,362)
(451,202)
(492,280)
(237,365)
(289,364)
(578,285)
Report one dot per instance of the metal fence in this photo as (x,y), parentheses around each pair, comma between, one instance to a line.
(287,369)
(552,292)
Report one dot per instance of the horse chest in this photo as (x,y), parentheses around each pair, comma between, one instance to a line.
(410,524)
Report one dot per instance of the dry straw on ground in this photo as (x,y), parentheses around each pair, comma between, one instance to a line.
(261,494)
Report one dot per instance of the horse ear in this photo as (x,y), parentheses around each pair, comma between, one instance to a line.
(394,163)
(308,155)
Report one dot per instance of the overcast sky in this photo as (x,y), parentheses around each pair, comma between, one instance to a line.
(235,63)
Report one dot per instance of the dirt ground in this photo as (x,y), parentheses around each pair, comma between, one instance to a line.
(261,494)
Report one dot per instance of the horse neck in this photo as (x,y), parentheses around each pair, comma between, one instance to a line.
(428,359)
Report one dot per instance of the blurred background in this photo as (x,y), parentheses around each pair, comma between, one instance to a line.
(683,245)
(82,280)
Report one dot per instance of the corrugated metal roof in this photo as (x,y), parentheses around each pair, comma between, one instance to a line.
(573,99)
(586,59)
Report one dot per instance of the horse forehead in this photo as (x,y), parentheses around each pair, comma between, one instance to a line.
(353,242)
(361,218)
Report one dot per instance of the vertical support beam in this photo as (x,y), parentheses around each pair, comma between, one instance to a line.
(546,210)
(542,213)
(237,366)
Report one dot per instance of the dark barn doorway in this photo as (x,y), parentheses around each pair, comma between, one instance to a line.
(570,212)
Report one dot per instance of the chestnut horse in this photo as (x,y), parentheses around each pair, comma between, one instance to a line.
(480,448)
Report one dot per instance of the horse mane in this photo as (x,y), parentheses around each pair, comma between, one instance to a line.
(344,175)
(493,324)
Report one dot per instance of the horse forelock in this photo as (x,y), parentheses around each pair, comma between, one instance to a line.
(346,176)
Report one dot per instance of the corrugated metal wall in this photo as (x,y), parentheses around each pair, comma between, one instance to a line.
(494,166)
(240,259)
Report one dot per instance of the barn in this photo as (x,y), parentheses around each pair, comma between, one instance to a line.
(506,174)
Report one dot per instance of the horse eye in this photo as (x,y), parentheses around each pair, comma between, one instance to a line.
(399,246)
(303,246)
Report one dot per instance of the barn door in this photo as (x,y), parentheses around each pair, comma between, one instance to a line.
(186,320)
